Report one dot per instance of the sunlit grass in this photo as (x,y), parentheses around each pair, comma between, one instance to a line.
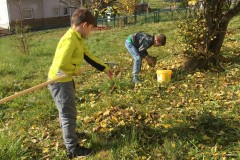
(193,117)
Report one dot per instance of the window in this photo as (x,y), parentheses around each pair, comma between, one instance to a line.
(27,13)
(65,11)
(55,11)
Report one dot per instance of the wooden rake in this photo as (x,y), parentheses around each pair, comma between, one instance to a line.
(6,99)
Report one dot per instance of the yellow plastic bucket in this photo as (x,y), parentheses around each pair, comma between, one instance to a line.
(164,76)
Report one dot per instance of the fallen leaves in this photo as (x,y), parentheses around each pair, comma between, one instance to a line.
(41,140)
(114,117)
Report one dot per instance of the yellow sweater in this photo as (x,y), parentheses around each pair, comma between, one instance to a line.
(69,55)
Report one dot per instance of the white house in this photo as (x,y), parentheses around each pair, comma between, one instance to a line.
(38,14)
(4,16)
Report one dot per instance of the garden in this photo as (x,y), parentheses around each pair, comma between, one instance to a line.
(194,116)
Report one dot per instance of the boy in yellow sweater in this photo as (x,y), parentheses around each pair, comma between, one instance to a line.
(69,55)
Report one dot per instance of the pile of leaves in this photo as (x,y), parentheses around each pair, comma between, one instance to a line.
(115,117)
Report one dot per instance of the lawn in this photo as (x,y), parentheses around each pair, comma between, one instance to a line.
(195,116)
(162,3)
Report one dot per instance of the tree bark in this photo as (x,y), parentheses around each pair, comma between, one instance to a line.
(218,14)
(219,28)
(215,45)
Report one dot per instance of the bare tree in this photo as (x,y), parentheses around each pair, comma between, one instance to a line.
(22,39)
(68,4)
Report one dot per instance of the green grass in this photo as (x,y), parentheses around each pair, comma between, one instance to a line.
(193,117)
(162,3)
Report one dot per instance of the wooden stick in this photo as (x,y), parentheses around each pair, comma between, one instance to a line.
(113,87)
(6,99)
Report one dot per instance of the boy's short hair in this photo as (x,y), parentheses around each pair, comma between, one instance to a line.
(161,38)
(82,15)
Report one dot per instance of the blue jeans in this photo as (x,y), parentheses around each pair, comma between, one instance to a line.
(63,94)
(137,63)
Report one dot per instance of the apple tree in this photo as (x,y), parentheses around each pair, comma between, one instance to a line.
(204,30)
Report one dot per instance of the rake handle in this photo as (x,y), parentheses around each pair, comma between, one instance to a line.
(32,89)
(6,99)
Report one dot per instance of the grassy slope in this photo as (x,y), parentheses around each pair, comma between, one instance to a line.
(188,118)
(162,3)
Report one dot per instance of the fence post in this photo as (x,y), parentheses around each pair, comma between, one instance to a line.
(154,16)
(125,20)
(135,18)
(114,18)
(158,15)
(106,21)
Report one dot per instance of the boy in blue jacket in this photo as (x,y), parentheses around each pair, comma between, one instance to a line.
(137,44)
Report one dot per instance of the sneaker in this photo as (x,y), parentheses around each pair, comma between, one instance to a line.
(136,81)
(79,152)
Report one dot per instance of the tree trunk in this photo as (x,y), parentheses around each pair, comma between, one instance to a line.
(216,44)
(217,18)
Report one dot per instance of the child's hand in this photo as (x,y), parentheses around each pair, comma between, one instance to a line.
(110,74)
(151,61)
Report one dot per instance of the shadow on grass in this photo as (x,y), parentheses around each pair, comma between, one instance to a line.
(179,74)
(235,59)
(135,138)
(208,130)
(205,129)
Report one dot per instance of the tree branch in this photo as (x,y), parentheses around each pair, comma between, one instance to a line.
(234,11)
(70,6)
